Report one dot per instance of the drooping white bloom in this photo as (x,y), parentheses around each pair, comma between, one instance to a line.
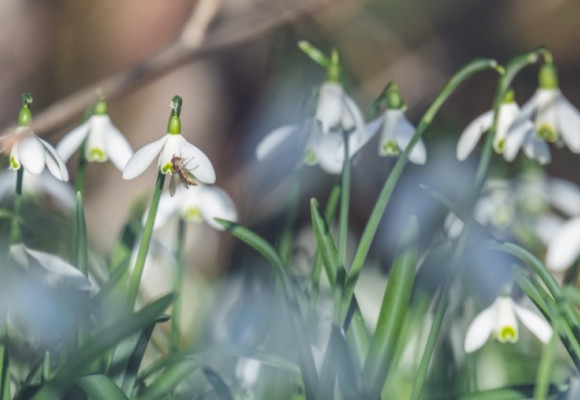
(32,153)
(103,140)
(196,204)
(171,145)
(500,322)
(53,268)
(509,138)
(37,185)
(321,137)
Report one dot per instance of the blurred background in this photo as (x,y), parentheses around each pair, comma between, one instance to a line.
(248,77)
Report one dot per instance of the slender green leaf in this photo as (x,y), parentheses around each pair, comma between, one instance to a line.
(100,387)
(101,342)
(170,378)
(393,310)
(326,244)
(81,231)
(218,383)
(545,368)
(307,367)
(4,372)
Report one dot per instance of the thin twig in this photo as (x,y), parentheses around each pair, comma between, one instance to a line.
(188,48)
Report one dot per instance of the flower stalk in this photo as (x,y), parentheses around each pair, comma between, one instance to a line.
(178,272)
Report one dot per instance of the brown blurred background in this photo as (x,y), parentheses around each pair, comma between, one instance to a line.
(234,95)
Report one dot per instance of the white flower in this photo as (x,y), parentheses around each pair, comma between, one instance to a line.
(104,141)
(499,322)
(170,145)
(33,153)
(196,204)
(396,133)
(54,269)
(509,137)
(321,137)
(36,185)
(564,246)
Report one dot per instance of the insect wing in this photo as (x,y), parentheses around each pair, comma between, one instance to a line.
(173,184)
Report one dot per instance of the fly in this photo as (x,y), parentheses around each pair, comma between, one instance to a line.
(181,173)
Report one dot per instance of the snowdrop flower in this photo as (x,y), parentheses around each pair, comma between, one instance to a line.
(54,269)
(196,204)
(28,151)
(336,113)
(564,246)
(169,146)
(103,140)
(555,119)
(499,322)
(508,138)
(396,130)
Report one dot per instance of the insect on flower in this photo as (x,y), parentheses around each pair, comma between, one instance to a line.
(181,173)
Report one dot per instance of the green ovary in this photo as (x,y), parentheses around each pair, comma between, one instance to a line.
(167,169)
(96,155)
(507,334)
(547,133)
(14,164)
(389,148)
(500,145)
(193,214)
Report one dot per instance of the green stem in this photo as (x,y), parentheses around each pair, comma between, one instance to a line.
(371,228)
(344,205)
(81,170)
(81,233)
(15,228)
(145,241)
(177,286)
(288,232)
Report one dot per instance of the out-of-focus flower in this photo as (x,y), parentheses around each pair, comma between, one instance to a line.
(196,204)
(499,322)
(564,246)
(103,140)
(555,119)
(172,144)
(396,130)
(36,185)
(336,114)
(54,269)
(28,151)
(507,141)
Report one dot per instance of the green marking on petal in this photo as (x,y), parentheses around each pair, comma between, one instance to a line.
(167,169)
(96,155)
(547,132)
(310,157)
(193,214)
(507,333)
(389,148)
(15,165)
(500,147)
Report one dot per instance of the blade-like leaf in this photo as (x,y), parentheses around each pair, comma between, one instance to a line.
(393,309)
(103,341)
(170,378)
(326,244)
(218,383)
(100,387)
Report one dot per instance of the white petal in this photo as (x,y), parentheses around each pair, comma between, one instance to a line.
(564,196)
(536,324)
(216,203)
(527,110)
(480,329)
(274,140)
(31,155)
(72,140)
(569,121)
(472,133)
(168,207)
(330,106)
(564,248)
(389,131)
(505,320)
(507,115)
(359,139)
(327,150)
(60,269)
(143,158)
(537,149)
(404,132)
(62,192)
(198,163)
(117,147)
(546,109)
(356,119)
(515,139)
(547,226)
(55,164)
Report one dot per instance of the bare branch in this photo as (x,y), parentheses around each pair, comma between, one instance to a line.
(184,50)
